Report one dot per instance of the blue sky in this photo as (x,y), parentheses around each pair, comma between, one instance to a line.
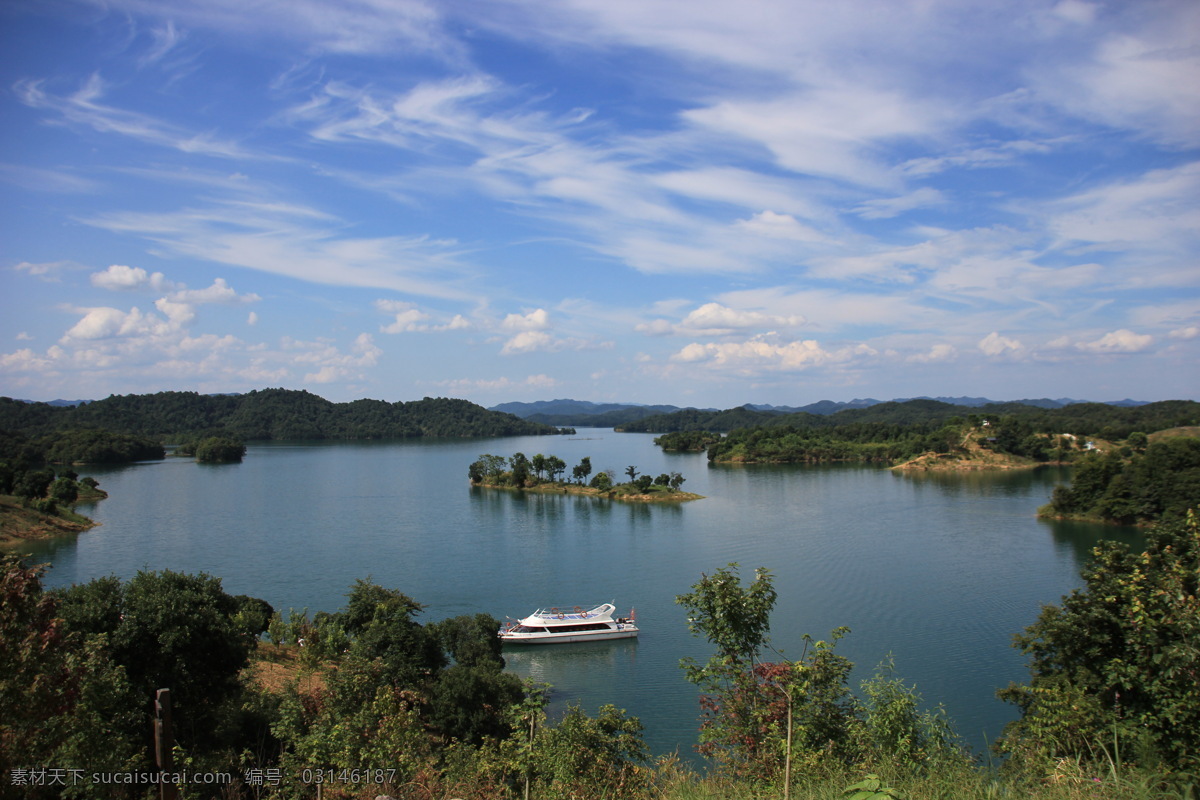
(709,203)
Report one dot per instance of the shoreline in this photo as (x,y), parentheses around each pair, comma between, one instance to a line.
(588,491)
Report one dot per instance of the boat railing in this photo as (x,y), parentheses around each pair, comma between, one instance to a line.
(565,612)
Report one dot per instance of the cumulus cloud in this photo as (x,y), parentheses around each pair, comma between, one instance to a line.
(935,354)
(1119,341)
(407,318)
(1190,332)
(996,345)
(529,342)
(715,319)
(537,320)
(219,292)
(762,353)
(119,277)
(108,323)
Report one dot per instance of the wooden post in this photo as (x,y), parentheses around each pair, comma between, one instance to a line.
(164,743)
(787,762)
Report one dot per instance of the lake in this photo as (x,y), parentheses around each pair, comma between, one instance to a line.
(938,570)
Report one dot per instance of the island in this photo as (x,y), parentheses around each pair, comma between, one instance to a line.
(541,473)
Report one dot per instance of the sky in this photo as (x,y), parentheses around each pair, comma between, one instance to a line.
(706,204)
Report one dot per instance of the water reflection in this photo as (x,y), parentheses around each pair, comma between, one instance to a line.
(1080,538)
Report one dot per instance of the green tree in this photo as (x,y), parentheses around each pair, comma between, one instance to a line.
(583,756)
(582,470)
(1117,659)
(603,481)
(632,472)
(736,621)
(519,465)
(219,450)
(64,491)
(555,466)
(38,684)
(169,630)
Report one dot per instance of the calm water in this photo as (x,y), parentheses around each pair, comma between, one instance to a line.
(938,571)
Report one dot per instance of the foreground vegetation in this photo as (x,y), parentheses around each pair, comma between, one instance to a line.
(266,414)
(521,472)
(371,702)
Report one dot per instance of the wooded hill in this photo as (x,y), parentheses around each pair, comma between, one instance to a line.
(266,414)
(1080,419)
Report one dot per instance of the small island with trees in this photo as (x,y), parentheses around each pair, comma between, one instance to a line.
(541,473)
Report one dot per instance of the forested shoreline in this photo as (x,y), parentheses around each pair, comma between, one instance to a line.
(1080,419)
(268,414)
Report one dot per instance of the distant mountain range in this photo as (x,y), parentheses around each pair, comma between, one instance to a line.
(601,415)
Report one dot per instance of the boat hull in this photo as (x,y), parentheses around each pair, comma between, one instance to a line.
(565,638)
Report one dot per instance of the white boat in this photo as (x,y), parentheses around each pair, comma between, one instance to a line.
(549,625)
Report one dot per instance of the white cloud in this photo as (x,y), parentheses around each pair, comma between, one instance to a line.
(536,320)
(219,292)
(763,354)
(1119,341)
(120,277)
(83,108)
(108,323)
(936,354)
(530,341)
(995,345)
(1138,74)
(779,226)
(407,318)
(714,319)
(1153,211)
(1190,332)
(887,207)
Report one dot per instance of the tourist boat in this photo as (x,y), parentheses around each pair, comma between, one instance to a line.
(549,625)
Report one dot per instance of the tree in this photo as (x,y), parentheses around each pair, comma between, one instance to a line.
(1118,659)
(736,621)
(520,469)
(37,682)
(632,472)
(64,490)
(219,450)
(487,467)
(381,622)
(677,480)
(555,466)
(582,470)
(603,481)
(539,465)
(32,484)
(170,630)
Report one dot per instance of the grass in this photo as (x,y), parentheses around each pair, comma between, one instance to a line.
(1068,781)
(20,523)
